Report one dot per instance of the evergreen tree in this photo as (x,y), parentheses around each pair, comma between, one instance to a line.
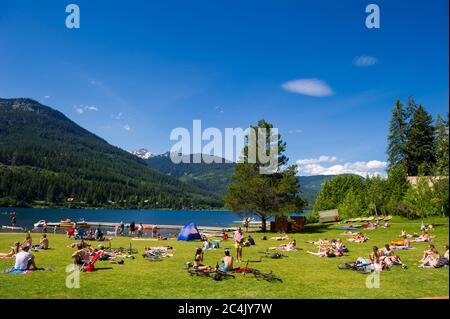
(264,194)
(441,146)
(397,136)
(420,142)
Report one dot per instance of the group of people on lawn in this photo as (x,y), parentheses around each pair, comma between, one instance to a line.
(380,258)
(227,261)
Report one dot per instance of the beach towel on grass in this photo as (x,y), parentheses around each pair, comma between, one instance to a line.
(14,271)
(346,228)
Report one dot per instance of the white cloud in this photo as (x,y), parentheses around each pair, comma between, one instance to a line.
(362,168)
(296,131)
(46,97)
(320,159)
(311,87)
(127,127)
(80,109)
(117,116)
(365,60)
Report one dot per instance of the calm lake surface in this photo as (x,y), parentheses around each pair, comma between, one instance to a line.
(26,217)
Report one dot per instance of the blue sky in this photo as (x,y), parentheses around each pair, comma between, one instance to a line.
(135,70)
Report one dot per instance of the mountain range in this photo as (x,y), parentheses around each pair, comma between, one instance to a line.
(47,158)
(216,176)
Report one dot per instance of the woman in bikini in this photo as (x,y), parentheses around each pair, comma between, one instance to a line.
(28,241)
(198,261)
(14,251)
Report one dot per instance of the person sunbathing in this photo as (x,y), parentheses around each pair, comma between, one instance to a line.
(226,261)
(404,234)
(358,238)
(425,237)
(280,238)
(339,248)
(327,252)
(43,243)
(431,258)
(25,260)
(28,241)
(401,245)
(14,251)
(81,255)
(376,260)
(390,258)
(291,246)
(82,242)
(349,233)
(224,236)
(198,261)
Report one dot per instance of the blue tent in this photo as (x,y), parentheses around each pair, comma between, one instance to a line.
(189,232)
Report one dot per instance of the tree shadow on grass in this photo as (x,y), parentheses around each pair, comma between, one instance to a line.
(317,228)
(103,268)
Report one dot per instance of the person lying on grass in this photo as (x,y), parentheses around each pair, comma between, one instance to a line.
(404,234)
(290,246)
(15,249)
(390,258)
(359,238)
(323,252)
(425,237)
(280,238)
(401,244)
(431,258)
(319,242)
(25,260)
(82,242)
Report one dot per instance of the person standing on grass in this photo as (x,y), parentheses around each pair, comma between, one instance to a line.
(140,230)
(122,228)
(13,219)
(155,231)
(132,228)
(246,223)
(238,238)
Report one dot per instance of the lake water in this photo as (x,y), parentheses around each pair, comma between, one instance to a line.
(26,217)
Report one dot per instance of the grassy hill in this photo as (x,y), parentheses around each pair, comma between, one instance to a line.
(47,158)
(212,176)
(215,177)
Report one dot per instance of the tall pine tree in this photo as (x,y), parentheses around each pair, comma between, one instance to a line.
(266,195)
(441,146)
(420,153)
(397,136)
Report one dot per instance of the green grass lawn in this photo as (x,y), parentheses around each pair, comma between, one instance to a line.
(304,276)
